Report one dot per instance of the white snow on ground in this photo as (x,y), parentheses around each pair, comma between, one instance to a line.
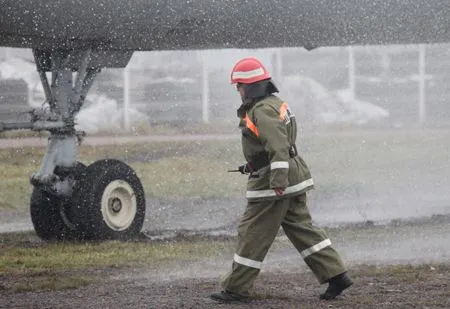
(308,97)
(104,114)
(349,110)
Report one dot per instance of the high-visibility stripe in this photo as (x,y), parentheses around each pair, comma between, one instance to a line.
(292,189)
(247,262)
(248,74)
(251,126)
(283,110)
(317,247)
(279,164)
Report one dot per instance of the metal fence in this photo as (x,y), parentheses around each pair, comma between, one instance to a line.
(411,82)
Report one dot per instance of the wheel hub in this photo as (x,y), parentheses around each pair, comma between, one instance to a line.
(118,206)
(115,204)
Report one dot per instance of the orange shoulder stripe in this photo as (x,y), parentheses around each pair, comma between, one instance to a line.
(283,110)
(251,126)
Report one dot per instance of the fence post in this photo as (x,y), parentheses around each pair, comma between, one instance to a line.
(7,53)
(205,90)
(422,85)
(279,66)
(351,72)
(126,98)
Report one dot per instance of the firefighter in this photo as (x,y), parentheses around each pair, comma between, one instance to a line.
(278,180)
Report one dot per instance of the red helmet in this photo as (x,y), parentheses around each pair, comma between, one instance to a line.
(248,71)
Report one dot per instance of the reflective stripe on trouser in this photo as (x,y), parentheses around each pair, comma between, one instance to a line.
(257,230)
(310,241)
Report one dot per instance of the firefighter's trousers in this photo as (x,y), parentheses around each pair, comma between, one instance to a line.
(257,230)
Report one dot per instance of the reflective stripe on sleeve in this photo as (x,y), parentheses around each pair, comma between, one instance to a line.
(247,262)
(279,164)
(292,189)
(251,126)
(315,248)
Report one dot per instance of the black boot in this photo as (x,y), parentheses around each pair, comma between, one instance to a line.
(336,285)
(229,297)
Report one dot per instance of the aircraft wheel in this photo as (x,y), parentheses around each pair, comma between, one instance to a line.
(48,213)
(110,202)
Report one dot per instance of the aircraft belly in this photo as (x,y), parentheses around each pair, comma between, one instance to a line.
(192,24)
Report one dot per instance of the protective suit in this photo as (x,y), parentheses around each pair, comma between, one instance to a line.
(278,179)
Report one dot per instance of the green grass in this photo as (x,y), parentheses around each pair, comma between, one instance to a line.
(172,170)
(341,161)
(50,281)
(29,265)
(23,133)
(189,177)
(71,256)
(16,168)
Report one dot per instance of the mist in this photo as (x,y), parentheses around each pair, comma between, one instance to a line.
(376,105)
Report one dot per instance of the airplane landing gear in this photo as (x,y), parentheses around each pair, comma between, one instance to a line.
(49,211)
(104,200)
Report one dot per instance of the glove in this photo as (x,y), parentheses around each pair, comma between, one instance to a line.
(279,191)
(245,169)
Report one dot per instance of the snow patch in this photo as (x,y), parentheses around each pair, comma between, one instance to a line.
(104,114)
(322,106)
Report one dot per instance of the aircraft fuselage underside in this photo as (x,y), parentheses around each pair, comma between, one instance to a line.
(207,24)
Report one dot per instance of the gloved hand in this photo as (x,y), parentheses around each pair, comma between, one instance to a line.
(245,169)
(279,191)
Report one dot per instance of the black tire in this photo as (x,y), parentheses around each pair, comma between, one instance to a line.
(45,210)
(48,213)
(100,213)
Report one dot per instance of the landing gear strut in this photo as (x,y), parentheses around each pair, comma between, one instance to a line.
(104,200)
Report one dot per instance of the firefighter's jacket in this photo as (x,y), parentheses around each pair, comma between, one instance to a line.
(269,131)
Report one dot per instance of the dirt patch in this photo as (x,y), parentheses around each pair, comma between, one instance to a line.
(422,286)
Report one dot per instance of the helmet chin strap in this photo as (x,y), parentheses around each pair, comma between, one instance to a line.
(242,110)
